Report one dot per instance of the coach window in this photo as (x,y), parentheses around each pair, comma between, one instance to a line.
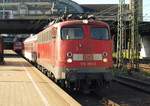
(100,33)
(40,38)
(49,36)
(71,33)
(45,35)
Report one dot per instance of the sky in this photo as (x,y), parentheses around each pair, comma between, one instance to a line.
(146,5)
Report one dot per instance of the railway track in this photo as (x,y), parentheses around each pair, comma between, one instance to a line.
(145,67)
(135,83)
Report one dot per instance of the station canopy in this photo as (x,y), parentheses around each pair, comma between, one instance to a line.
(45,6)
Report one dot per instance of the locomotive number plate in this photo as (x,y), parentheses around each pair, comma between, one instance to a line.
(88,57)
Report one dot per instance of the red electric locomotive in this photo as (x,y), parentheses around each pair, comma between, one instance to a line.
(76,53)
(18,45)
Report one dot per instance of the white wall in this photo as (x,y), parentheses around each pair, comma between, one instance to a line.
(145,50)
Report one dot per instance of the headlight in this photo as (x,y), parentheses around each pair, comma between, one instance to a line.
(105,60)
(69,60)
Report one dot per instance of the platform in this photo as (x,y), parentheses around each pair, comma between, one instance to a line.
(21,84)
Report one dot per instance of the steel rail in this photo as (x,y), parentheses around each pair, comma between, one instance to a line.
(135,83)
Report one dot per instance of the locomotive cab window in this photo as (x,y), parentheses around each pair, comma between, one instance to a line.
(71,33)
(99,33)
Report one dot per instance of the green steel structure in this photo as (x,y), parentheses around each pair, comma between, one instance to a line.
(121,33)
(134,37)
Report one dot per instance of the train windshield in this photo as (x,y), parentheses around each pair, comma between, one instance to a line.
(71,33)
(100,33)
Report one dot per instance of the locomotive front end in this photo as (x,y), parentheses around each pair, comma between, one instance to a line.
(85,53)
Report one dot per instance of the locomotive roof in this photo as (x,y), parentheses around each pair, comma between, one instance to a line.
(75,22)
(81,22)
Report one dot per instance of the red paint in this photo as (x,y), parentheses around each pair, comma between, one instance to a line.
(54,52)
